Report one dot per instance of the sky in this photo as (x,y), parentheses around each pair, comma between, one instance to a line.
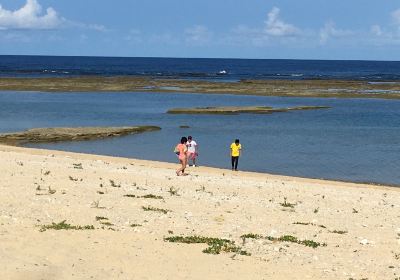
(276,29)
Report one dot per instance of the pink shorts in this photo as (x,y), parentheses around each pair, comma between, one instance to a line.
(192,155)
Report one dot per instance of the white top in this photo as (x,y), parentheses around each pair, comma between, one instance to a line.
(191,146)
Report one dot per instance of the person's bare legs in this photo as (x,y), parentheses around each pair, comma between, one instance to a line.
(184,163)
(182,168)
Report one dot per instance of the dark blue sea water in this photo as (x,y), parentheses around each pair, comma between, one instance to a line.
(197,68)
(355,140)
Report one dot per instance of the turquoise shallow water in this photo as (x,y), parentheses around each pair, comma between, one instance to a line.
(355,140)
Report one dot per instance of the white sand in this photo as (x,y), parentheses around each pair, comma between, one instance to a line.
(211,202)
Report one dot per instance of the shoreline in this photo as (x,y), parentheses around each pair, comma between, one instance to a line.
(104,217)
(243,172)
(278,88)
(214,170)
(372,184)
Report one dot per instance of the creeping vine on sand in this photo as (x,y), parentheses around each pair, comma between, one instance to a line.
(216,245)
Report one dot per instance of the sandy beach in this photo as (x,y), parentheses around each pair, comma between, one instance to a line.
(353,230)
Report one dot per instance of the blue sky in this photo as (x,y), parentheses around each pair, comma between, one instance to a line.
(307,29)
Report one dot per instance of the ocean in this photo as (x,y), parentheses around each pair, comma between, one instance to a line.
(355,140)
(199,68)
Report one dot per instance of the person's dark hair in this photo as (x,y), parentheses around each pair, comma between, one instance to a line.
(237,141)
(190,137)
(183,140)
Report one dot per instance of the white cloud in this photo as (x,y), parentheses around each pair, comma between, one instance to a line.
(275,31)
(329,31)
(29,16)
(274,26)
(198,34)
(396,16)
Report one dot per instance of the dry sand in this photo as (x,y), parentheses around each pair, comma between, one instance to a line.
(39,187)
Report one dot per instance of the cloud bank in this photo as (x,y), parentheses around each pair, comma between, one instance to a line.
(29,16)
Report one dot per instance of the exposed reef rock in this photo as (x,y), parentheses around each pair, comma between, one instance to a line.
(301,88)
(58,134)
(240,110)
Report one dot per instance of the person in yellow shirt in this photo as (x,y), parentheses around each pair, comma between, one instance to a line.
(236,149)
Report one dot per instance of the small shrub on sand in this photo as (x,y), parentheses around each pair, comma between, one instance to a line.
(309,224)
(73,179)
(64,226)
(136,225)
(216,245)
(152,196)
(106,223)
(77,165)
(338,231)
(173,191)
(150,208)
(287,204)
(284,238)
(114,185)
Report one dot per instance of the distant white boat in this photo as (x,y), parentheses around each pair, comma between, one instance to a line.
(222,72)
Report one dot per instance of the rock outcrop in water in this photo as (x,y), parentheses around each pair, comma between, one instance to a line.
(234,110)
(58,134)
(303,88)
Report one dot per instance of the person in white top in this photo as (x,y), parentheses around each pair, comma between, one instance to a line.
(192,150)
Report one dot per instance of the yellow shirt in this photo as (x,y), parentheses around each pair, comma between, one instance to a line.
(235,149)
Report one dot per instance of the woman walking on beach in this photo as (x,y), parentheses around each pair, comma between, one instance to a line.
(182,155)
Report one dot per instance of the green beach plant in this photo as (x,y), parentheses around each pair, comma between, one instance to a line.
(152,196)
(287,204)
(136,225)
(173,191)
(216,245)
(284,238)
(148,196)
(64,226)
(114,185)
(77,165)
(338,231)
(106,223)
(307,224)
(73,179)
(150,208)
